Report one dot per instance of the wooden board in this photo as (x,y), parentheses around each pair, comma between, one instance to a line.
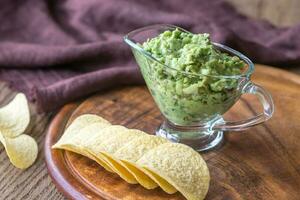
(260,163)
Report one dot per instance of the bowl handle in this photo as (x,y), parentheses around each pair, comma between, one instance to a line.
(268,110)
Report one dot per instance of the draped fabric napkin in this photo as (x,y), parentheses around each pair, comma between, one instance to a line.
(59,50)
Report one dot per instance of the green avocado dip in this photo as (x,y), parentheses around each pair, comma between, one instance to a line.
(185,80)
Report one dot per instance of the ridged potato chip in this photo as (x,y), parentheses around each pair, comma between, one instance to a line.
(15,116)
(21,150)
(180,166)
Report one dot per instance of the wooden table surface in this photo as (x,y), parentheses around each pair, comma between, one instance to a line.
(34,183)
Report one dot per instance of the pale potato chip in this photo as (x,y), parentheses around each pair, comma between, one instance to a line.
(109,141)
(92,136)
(93,142)
(79,123)
(76,149)
(76,140)
(80,137)
(139,175)
(101,162)
(117,140)
(119,169)
(21,150)
(180,166)
(15,116)
(134,150)
(140,158)
(163,184)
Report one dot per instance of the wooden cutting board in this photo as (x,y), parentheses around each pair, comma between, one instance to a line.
(260,163)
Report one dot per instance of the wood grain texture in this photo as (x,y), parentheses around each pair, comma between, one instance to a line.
(259,163)
(33,183)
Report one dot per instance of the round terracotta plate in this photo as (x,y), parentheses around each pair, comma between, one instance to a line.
(259,163)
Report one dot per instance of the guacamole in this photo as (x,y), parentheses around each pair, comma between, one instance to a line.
(184,81)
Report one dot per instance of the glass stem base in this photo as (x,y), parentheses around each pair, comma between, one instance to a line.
(198,139)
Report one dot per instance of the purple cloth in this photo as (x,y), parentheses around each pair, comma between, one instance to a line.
(58,51)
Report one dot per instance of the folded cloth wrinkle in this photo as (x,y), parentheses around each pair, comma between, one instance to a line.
(58,51)
(88,83)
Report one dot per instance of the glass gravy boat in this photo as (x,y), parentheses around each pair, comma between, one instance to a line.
(195,119)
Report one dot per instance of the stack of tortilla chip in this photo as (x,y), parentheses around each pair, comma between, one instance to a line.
(138,157)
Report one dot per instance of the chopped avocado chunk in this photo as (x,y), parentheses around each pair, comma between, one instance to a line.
(185,82)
